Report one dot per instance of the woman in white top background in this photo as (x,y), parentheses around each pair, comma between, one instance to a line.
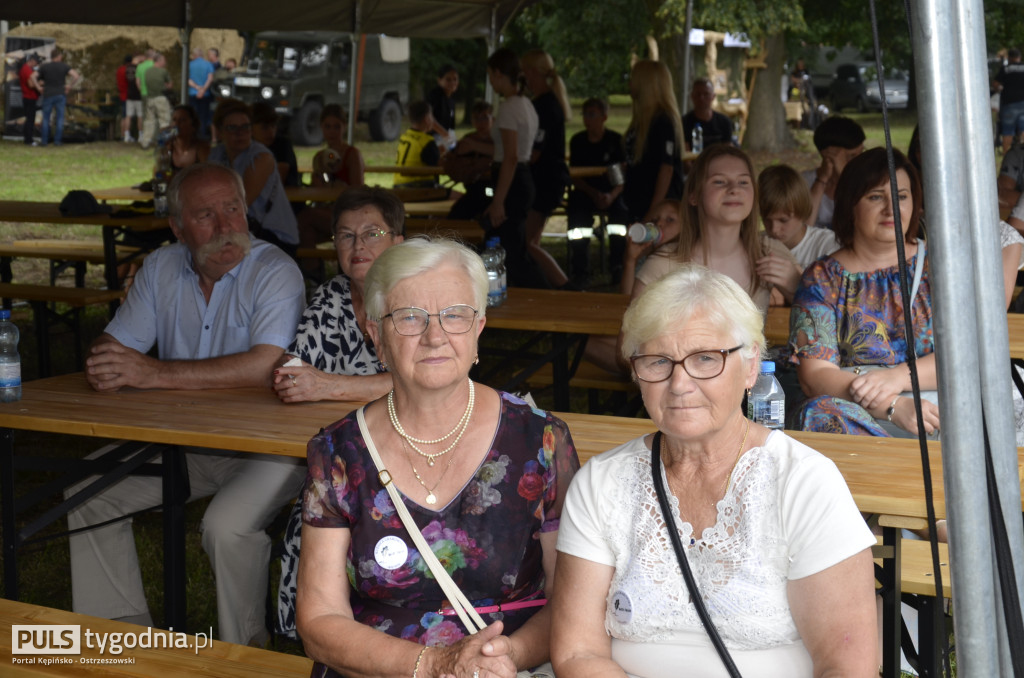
(514,130)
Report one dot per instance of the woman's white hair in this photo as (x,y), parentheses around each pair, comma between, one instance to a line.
(419,255)
(669,304)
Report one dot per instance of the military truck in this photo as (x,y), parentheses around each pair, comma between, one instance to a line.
(301,72)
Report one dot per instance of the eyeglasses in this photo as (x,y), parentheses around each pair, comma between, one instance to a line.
(233,129)
(699,365)
(411,321)
(346,239)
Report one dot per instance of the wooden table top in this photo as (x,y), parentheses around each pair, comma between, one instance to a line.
(49,213)
(433,208)
(575,172)
(883,473)
(219,659)
(559,311)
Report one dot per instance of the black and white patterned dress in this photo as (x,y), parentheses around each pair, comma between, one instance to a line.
(328,338)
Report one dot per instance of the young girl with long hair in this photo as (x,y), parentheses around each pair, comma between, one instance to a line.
(550,173)
(719,230)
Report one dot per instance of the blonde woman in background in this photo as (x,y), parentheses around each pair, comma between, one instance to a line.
(550,173)
(654,141)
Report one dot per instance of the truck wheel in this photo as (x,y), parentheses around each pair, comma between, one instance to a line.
(386,121)
(306,125)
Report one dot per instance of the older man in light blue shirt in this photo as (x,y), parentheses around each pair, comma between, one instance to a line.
(221,307)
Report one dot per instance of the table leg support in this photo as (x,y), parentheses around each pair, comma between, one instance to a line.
(175,487)
(9,525)
(892,621)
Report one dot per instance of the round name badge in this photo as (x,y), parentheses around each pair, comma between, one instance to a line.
(622,607)
(391,552)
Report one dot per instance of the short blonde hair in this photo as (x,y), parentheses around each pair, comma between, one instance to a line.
(669,304)
(419,255)
(781,189)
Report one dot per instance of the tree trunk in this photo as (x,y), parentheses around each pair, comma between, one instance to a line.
(766,126)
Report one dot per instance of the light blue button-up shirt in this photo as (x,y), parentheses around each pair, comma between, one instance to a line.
(259,301)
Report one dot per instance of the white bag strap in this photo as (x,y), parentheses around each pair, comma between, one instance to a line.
(918,271)
(471,619)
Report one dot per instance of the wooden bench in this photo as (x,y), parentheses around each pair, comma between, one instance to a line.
(201,658)
(595,379)
(62,254)
(420,194)
(466,230)
(41,296)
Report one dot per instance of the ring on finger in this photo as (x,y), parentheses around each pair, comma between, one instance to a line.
(292,377)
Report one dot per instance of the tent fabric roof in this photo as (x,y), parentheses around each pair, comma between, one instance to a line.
(412,18)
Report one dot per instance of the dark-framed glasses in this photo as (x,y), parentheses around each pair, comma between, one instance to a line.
(411,321)
(708,364)
(346,239)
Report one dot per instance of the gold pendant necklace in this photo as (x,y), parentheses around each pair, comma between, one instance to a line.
(431,497)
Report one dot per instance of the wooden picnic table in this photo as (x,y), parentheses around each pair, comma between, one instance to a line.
(114,228)
(202,656)
(883,474)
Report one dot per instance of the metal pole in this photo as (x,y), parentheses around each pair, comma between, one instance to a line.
(991,310)
(684,87)
(186,50)
(492,45)
(352,113)
(942,101)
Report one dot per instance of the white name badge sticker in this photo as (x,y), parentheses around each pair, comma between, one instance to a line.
(622,607)
(391,552)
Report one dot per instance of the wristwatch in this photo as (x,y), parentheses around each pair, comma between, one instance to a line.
(892,409)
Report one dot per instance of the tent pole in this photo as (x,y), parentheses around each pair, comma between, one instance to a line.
(971,351)
(492,46)
(186,50)
(684,86)
(353,114)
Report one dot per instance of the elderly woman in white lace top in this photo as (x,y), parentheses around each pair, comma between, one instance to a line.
(779,552)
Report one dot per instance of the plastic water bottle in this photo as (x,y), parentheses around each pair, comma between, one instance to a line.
(10,361)
(697,138)
(641,233)
(164,170)
(494,262)
(766,404)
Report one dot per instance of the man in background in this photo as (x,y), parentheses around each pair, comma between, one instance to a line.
(30,89)
(56,87)
(158,108)
(200,78)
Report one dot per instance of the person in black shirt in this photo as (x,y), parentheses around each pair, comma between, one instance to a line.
(596,146)
(442,104)
(550,173)
(654,164)
(717,128)
(1010,82)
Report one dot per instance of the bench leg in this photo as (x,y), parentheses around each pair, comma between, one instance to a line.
(892,621)
(9,526)
(42,319)
(931,624)
(175,490)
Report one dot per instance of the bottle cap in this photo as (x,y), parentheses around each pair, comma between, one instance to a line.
(492,242)
(5,314)
(767,367)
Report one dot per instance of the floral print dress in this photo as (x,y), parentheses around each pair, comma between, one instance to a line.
(854,319)
(487,537)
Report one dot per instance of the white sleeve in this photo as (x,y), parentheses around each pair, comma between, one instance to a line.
(819,517)
(580,532)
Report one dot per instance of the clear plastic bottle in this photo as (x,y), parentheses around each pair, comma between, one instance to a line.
(766,404)
(641,233)
(697,138)
(494,262)
(10,361)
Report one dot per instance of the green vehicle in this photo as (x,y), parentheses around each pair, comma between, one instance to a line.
(301,72)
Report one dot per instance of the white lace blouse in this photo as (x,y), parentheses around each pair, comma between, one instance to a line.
(787,515)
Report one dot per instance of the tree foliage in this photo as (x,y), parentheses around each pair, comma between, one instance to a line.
(590,43)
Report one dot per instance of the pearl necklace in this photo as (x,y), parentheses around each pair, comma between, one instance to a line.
(460,428)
